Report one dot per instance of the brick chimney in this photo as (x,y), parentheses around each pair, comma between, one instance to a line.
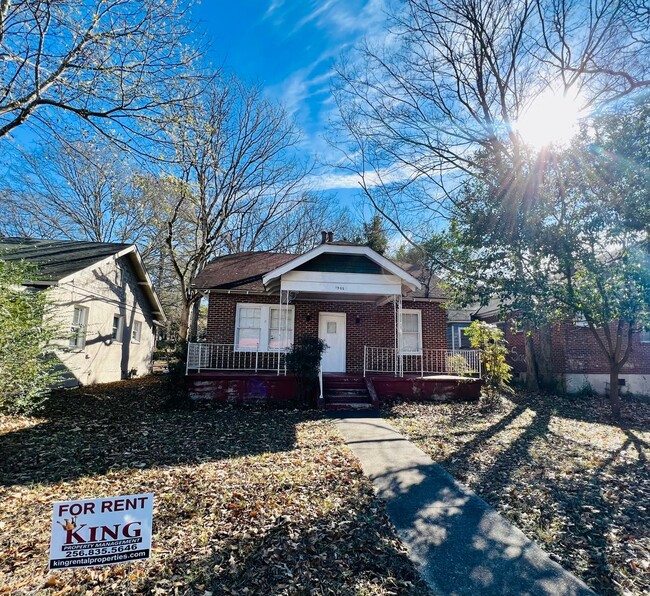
(323,237)
(330,236)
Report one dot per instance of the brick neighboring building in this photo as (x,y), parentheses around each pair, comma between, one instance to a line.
(375,315)
(576,358)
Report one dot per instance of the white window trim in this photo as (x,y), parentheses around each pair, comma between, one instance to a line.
(119,335)
(265,322)
(418,312)
(136,325)
(83,328)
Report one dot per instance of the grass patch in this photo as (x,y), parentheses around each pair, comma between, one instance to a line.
(247,501)
(560,470)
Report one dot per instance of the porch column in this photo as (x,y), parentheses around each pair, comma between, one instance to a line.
(397,313)
(283,316)
(399,334)
(396,332)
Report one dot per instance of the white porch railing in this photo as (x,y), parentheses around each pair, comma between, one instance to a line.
(203,356)
(428,362)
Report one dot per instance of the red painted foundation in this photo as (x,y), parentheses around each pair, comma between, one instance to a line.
(427,389)
(246,388)
(241,388)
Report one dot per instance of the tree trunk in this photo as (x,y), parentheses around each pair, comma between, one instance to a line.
(193,330)
(532,380)
(544,363)
(614,395)
(183,323)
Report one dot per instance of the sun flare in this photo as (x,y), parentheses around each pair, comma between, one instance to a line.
(551,119)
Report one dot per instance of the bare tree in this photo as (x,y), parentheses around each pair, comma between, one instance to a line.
(421,111)
(237,174)
(79,190)
(114,64)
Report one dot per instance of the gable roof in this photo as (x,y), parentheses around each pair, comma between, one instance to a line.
(244,272)
(57,260)
(347,249)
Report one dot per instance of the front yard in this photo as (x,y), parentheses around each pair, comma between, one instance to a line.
(559,470)
(249,501)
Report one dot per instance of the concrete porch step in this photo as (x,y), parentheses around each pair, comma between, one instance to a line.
(348,406)
(347,399)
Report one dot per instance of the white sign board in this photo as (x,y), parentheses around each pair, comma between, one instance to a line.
(104,531)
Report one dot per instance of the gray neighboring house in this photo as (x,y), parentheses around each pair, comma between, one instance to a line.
(102,301)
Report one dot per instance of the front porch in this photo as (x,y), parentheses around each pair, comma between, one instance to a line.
(219,372)
(203,357)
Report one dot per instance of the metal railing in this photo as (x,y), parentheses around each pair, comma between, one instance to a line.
(204,356)
(427,362)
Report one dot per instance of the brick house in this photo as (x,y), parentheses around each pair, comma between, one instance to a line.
(101,300)
(381,325)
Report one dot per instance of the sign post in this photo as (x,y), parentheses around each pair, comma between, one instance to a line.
(105,531)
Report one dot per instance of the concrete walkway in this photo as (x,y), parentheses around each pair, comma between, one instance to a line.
(458,542)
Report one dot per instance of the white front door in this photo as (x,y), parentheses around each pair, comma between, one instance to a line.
(331,329)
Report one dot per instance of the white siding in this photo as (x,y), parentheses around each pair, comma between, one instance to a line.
(107,290)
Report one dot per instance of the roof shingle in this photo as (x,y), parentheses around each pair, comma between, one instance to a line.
(56,259)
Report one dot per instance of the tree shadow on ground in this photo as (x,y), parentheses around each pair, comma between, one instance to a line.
(580,502)
(92,430)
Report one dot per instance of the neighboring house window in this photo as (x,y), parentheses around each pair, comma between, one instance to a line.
(459,340)
(118,327)
(78,328)
(411,340)
(645,336)
(580,321)
(258,327)
(136,331)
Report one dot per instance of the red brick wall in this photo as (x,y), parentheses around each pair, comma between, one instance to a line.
(576,350)
(375,327)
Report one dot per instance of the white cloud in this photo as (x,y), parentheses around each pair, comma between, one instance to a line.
(275,5)
(333,179)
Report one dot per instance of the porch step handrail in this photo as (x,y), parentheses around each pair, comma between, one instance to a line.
(203,356)
(379,359)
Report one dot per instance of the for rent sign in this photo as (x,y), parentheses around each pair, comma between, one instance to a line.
(101,531)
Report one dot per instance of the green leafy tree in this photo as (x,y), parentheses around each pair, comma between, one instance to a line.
(572,249)
(490,341)
(26,367)
(373,234)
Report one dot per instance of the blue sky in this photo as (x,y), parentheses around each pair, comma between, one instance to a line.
(289,47)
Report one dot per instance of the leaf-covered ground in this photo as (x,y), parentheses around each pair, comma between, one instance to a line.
(559,469)
(247,501)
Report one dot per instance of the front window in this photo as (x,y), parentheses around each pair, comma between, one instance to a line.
(78,327)
(249,327)
(645,336)
(260,327)
(278,337)
(411,340)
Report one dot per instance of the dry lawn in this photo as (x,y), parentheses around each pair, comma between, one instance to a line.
(247,501)
(559,469)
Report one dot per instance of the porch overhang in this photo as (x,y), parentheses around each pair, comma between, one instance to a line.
(340,286)
(392,281)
